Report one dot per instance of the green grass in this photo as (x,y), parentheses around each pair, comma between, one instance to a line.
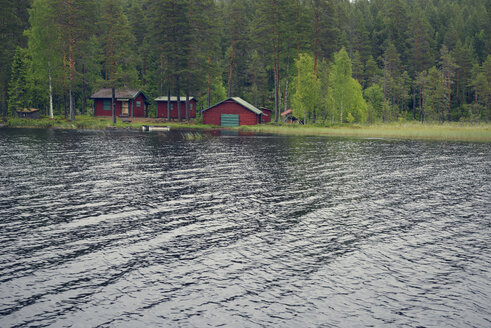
(86,122)
(412,130)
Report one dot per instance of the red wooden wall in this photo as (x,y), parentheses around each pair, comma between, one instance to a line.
(246,117)
(162,109)
(266,119)
(137,111)
(99,108)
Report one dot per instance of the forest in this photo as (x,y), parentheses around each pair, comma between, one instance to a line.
(330,61)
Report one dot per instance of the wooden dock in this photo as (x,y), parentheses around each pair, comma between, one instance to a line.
(151,128)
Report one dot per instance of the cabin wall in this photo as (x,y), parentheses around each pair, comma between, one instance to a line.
(162,109)
(100,111)
(138,111)
(246,117)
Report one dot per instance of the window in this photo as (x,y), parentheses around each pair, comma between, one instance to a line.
(171,106)
(107,104)
(138,104)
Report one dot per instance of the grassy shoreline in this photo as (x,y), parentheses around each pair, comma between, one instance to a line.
(410,130)
(84,122)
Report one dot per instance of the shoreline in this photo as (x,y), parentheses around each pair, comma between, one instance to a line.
(453,131)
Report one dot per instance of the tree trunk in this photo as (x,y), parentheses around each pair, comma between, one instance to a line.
(179,118)
(113,104)
(230,71)
(231,65)
(276,95)
(423,105)
(187,104)
(84,89)
(168,101)
(5,103)
(316,42)
(72,105)
(161,74)
(144,68)
(50,92)
(65,105)
(71,60)
(286,88)
(209,90)
(414,104)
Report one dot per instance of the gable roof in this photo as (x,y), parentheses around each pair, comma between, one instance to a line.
(120,94)
(173,98)
(241,102)
(286,112)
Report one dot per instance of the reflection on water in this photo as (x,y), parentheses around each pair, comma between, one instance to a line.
(127,229)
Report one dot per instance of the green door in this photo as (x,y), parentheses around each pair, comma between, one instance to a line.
(229,120)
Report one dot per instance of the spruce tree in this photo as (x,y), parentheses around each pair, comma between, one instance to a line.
(18,90)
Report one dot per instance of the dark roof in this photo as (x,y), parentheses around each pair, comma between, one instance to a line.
(173,98)
(241,102)
(120,94)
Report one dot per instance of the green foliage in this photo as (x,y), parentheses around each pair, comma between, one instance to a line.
(196,47)
(19,91)
(13,22)
(307,96)
(218,92)
(374,96)
(119,44)
(346,91)
(350,119)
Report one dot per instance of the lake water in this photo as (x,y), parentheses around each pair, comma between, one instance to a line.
(126,229)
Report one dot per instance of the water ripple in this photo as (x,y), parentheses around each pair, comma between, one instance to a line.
(126,229)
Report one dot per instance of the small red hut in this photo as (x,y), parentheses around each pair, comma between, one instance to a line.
(162,107)
(129,103)
(267,114)
(232,112)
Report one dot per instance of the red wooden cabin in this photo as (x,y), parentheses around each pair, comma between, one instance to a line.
(232,112)
(162,107)
(129,103)
(267,114)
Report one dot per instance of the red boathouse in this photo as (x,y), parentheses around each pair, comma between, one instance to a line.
(129,103)
(162,107)
(232,112)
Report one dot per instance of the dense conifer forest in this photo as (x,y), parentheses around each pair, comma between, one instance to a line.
(329,60)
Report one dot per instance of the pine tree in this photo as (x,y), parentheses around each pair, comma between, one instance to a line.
(420,43)
(447,67)
(480,87)
(13,22)
(118,44)
(75,22)
(18,90)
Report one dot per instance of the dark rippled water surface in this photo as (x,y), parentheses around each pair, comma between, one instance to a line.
(125,229)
